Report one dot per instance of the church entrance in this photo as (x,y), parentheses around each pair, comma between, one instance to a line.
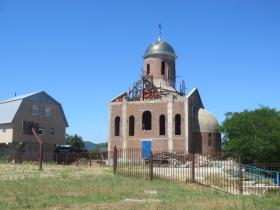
(146,149)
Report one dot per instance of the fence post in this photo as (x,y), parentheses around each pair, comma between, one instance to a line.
(77,159)
(14,157)
(193,167)
(40,156)
(100,159)
(115,160)
(66,157)
(240,184)
(90,159)
(151,166)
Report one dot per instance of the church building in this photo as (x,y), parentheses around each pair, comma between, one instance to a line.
(154,116)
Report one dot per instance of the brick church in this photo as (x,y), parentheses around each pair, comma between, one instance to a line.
(154,115)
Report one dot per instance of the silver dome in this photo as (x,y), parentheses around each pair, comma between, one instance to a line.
(159,47)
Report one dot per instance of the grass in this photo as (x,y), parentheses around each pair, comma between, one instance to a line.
(221,181)
(72,187)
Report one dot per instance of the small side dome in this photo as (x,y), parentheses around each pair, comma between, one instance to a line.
(160,47)
(206,122)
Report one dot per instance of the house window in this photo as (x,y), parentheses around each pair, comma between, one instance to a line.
(147,120)
(52,132)
(131,125)
(3,130)
(209,140)
(117,126)
(35,110)
(162,125)
(48,111)
(177,124)
(148,68)
(40,131)
(162,68)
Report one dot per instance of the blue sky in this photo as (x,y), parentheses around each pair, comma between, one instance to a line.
(84,53)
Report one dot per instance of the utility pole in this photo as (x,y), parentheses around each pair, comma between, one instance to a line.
(39,140)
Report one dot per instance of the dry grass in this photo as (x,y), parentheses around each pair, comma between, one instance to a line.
(28,170)
(72,187)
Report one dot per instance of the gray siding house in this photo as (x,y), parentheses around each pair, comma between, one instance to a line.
(38,109)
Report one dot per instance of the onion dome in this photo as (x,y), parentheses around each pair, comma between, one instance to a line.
(160,48)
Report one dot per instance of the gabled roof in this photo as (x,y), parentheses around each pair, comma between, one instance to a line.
(193,93)
(9,107)
(119,98)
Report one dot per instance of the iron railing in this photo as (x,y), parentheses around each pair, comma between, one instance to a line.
(221,171)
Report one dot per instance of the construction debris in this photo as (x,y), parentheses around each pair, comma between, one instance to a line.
(180,160)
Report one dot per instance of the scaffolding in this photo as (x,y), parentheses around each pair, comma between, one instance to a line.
(144,89)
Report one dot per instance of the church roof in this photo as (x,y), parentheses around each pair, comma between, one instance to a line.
(159,47)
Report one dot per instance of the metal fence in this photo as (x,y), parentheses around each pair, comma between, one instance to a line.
(268,166)
(82,158)
(12,156)
(222,171)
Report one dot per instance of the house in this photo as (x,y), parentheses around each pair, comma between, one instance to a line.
(154,116)
(38,110)
(103,152)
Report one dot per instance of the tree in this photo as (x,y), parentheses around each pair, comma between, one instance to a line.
(255,135)
(75,141)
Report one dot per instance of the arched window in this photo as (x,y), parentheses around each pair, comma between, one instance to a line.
(162,68)
(147,120)
(177,124)
(209,140)
(117,126)
(131,125)
(148,68)
(162,125)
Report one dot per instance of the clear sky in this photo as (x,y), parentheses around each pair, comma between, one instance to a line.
(85,52)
